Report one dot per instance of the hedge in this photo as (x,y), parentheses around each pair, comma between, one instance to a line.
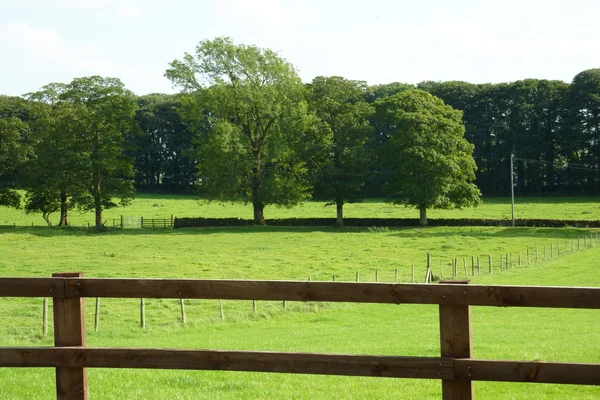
(382,222)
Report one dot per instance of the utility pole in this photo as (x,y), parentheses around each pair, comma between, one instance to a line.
(512,187)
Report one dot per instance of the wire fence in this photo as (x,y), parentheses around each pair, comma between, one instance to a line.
(26,320)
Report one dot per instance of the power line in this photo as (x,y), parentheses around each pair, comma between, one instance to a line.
(581,167)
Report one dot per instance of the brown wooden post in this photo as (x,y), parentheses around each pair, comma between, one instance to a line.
(97,314)
(69,330)
(45,318)
(455,342)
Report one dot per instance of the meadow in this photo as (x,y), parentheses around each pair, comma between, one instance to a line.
(299,254)
(163,206)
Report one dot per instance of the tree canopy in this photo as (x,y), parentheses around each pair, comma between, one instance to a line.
(258,117)
(427,161)
(343,110)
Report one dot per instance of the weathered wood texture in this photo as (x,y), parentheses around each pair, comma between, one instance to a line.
(528,371)
(304,363)
(456,342)
(514,296)
(502,296)
(31,287)
(301,363)
(69,330)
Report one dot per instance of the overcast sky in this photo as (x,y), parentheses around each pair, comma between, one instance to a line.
(379,41)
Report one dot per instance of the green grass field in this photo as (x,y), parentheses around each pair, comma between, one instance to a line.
(297,254)
(163,206)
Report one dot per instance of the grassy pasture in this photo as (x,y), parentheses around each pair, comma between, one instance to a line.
(163,206)
(296,253)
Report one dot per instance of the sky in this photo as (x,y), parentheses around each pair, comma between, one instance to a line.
(378,41)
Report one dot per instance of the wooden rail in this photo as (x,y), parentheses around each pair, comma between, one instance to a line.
(456,367)
(157,222)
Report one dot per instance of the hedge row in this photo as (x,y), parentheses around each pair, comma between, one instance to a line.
(382,222)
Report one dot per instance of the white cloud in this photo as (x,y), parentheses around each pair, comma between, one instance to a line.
(45,52)
(121,8)
(275,12)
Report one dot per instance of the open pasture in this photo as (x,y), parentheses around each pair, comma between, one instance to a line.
(296,254)
(163,206)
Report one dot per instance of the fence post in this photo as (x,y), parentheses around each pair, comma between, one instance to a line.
(69,330)
(396,276)
(358,277)
(122,224)
(97,314)
(141,222)
(142,313)
(455,342)
(45,319)
(490,259)
(183,316)
(536,255)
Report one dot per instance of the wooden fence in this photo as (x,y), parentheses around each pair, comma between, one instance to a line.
(455,367)
(157,222)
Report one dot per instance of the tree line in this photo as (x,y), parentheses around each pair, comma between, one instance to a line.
(245,127)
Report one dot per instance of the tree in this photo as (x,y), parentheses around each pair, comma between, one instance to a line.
(15,147)
(54,176)
(427,161)
(258,118)
(161,161)
(104,112)
(342,108)
(583,126)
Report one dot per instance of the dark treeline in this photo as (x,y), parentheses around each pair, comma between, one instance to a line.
(244,127)
(552,124)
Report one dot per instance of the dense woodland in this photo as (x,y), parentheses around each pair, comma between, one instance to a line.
(244,127)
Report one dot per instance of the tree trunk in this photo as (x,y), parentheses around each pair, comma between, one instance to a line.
(259,216)
(64,212)
(422,216)
(257,198)
(98,216)
(340,213)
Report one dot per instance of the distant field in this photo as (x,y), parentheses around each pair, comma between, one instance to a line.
(298,253)
(163,206)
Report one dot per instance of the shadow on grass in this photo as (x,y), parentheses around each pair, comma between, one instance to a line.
(399,232)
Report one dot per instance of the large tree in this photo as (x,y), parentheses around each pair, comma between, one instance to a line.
(258,116)
(105,112)
(343,110)
(427,161)
(54,176)
(15,147)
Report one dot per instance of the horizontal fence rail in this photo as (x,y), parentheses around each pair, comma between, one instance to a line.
(303,363)
(391,293)
(456,367)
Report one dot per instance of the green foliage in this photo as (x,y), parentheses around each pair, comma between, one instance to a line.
(81,147)
(258,117)
(345,164)
(162,145)
(15,147)
(427,161)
